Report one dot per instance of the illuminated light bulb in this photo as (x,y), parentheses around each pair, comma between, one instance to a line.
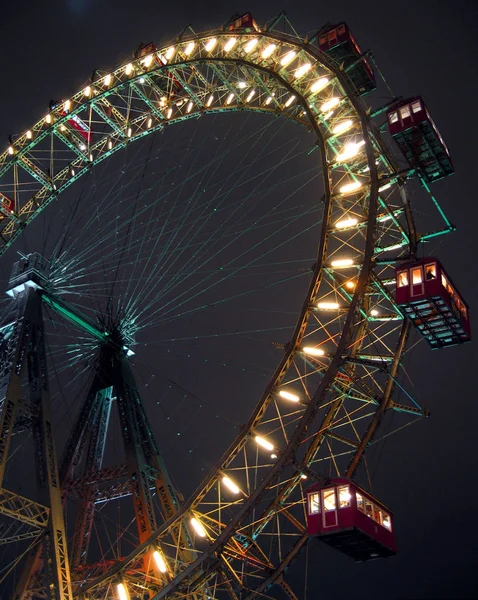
(210,100)
(328,305)
(149,123)
(350,150)
(66,105)
(169,113)
(287,58)
(350,285)
(268,51)
(189,107)
(303,476)
(211,44)
(230,485)
(141,79)
(160,562)
(350,187)
(268,100)
(346,223)
(62,128)
(342,262)
(72,172)
(264,443)
(394,247)
(198,528)
(230,98)
(29,135)
(129,132)
(189,48)
(374,312)
(249,47)
(385,187)
(110,144)
(302,70)
(107,80)
(242,85)
(48,119)
(122,592)
(87,91)
(162,101)
(128,69)
(10,150)
(147,60)
(319,85)
(288,396)
(83,147)
(91,157)
(250,95)
(311,351)
(332,103)
(170,52)
(385,218)
(342,127)
(229,45)
(273,456)
(289,101)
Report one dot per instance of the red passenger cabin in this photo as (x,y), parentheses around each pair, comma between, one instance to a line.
(420,141)
(244,22)
(349,519)
(339,43)
(429,299)
(7,204)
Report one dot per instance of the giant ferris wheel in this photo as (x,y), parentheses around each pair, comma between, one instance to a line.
(155,247)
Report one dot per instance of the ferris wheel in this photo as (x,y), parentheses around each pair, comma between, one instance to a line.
(286,470)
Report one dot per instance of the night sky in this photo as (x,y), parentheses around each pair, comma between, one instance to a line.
(429,48)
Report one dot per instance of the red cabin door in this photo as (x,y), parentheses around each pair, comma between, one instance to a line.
(416,281)
(329,510)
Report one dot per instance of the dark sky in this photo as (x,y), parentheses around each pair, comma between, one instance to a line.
(427,47)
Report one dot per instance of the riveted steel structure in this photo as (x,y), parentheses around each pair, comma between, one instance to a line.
(321,409)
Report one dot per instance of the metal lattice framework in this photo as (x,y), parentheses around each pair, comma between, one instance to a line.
(320,411)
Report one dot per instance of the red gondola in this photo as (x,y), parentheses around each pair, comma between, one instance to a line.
(74,121)
(349,519)
(339,43)
(431,301)
(416,134)
(243,22)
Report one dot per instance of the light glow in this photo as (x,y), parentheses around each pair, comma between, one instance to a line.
(230,98)
(29,135)
(169,113)
(189,48)
(343,223)
(170,52)
(62,128)
(150,122)
(319,85)
(231,486)
(160,562)
(311,351)
(110,144)
(374,312)
(129,132)
(328,305)
(66,105)
(250,95)
(350,187)
(211,44)
(302,70)
(147,60)
(332,103)
(107,79)
(289,101)
(242,85)
(342,262)
(122,591)
(264,443)
(141,80)
(189,107)
(10,150)
(251,44)
(385,187)
(48,118)
(87,91)
(229,45)
(287,58)
(83,147)
(288,396)
(350,150)
(342,127)
(268,51)
(210,100)
(198,528)
(350,285)
(269,100)
(128,69)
